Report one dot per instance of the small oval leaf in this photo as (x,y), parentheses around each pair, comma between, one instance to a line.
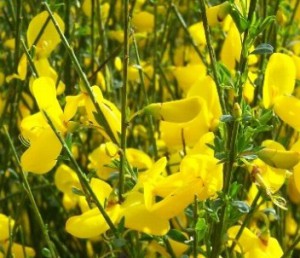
(263,49)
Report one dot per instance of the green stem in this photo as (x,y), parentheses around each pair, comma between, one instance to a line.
(31,64)
(146,99)
(18,34)
(93,35)
(186,30)
(243,63)
(290,23)
(213,60)
(82,177)
(195,235)
(124,118)
(246,221)
(31,198)
(291,248)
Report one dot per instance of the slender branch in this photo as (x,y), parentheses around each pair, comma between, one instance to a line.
(124,121)
(246,221)
(82,75)
(146,99)
(28,191)
(82,177)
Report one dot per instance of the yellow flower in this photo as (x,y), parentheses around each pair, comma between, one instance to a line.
(44,69)
(184,121)
(206,89)
(143,21)
(264,174)
(22,70)
(288,108)
(293,189)
(216,14)
(65,179)
(186,76)
(199,175)
(197,32)
(248,89)
(279,79)
(101,157)
(232,47)
(138,217)
(87,9)
(50,37)
(109,110)
(255,246)
(45,147)
(17,250)
(91,223)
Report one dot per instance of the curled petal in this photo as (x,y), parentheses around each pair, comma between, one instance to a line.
(42,154)
(91,223)
(280,78)
(139,218)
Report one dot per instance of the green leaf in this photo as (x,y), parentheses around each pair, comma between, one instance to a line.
(77,191)
(234,189)
(100,118)
(266,116)
(119,242)
(271,212)
(177,235)
(46,252)
(69,140)
(226,118)
(121,225)
(242,206)
(239,20)
(201,228)
(263,49)
(265,23)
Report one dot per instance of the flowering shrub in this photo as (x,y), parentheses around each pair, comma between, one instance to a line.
(149,128)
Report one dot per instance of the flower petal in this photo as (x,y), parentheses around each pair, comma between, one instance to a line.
(279,79)
(42,154)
